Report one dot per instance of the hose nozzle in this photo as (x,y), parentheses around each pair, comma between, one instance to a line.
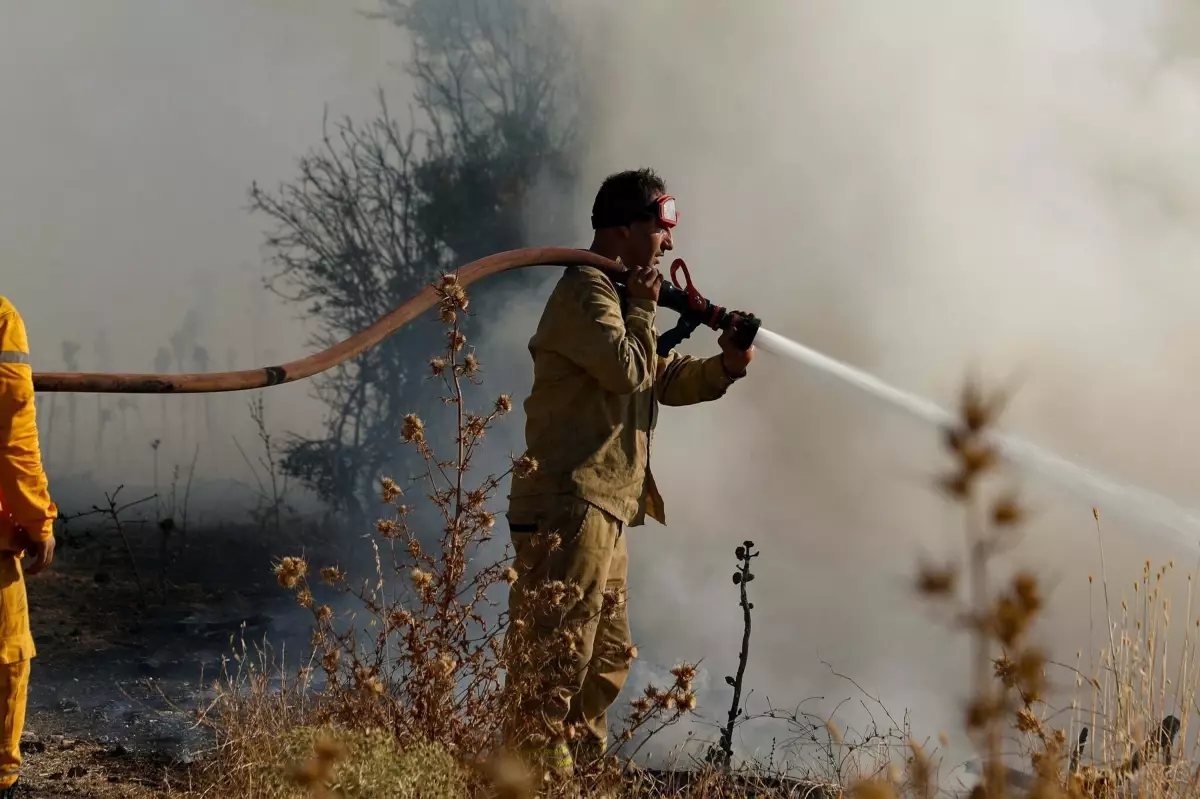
(745,329)
(695,310)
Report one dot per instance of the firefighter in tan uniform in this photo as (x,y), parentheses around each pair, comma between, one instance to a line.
(590,418)
(27,517)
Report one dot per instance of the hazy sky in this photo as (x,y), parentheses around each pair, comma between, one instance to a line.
(917,189)
(133,132)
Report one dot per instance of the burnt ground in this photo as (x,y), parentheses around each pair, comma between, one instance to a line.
(117,679)
(122,669)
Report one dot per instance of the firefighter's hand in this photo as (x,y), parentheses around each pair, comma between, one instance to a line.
(644,283)
(42,553)
(735,359)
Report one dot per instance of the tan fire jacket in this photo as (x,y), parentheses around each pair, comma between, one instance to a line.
(597,385)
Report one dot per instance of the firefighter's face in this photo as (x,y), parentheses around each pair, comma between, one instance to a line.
(646,242)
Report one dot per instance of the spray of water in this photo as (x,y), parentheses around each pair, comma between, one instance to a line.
(1132,502)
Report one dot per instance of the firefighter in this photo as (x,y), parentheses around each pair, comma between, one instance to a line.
(598,385)
(27,517)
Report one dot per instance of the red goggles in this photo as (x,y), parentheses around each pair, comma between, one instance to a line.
(668,214)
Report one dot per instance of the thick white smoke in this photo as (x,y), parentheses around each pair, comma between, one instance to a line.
(921,190)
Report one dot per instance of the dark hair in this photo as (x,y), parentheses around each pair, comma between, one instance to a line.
(626,197)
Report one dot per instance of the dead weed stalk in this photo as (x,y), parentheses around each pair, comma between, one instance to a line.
(424,657)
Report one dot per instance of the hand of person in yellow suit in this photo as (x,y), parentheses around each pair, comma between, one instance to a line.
(43,555)
(41,551)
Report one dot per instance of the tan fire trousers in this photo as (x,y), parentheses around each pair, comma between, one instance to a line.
(572,637)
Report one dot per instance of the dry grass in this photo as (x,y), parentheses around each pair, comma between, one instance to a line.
(409,697)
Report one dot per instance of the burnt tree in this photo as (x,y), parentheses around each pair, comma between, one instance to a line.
(381,208)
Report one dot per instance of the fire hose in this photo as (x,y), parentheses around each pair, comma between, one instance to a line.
(694,310)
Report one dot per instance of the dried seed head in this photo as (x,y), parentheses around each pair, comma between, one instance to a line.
(687,702)
(1009,621)
(684,674)
(388,528)
(1005,670)
(456,340)
(1006,512)
(414,548)
(324,613)
(510,575)
(1026,588)
(631,652)
(476,498)
(936,580)
(957,486)
(413,428)
(332,575)
(1027,721)
(470,364)
(453,293)
(610,604)
(398,618)
(503,403)
(420,578)
(973,409)
(977,457)
(524,466)
(330,660)
(290,570)
(437,366)
(569,640)
(304,597)
(552,593)
(446,665)
(389,490)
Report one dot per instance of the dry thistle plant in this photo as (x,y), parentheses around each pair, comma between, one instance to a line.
(429,664)
(1008,671)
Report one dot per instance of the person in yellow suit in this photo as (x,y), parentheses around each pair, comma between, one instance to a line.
(27,517)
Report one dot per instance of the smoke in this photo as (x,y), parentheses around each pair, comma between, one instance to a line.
(927,192)
(123,215)
(916,190)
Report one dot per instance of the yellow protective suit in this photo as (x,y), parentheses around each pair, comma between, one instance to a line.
(26,514)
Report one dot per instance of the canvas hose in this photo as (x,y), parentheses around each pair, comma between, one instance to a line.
(693,308)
